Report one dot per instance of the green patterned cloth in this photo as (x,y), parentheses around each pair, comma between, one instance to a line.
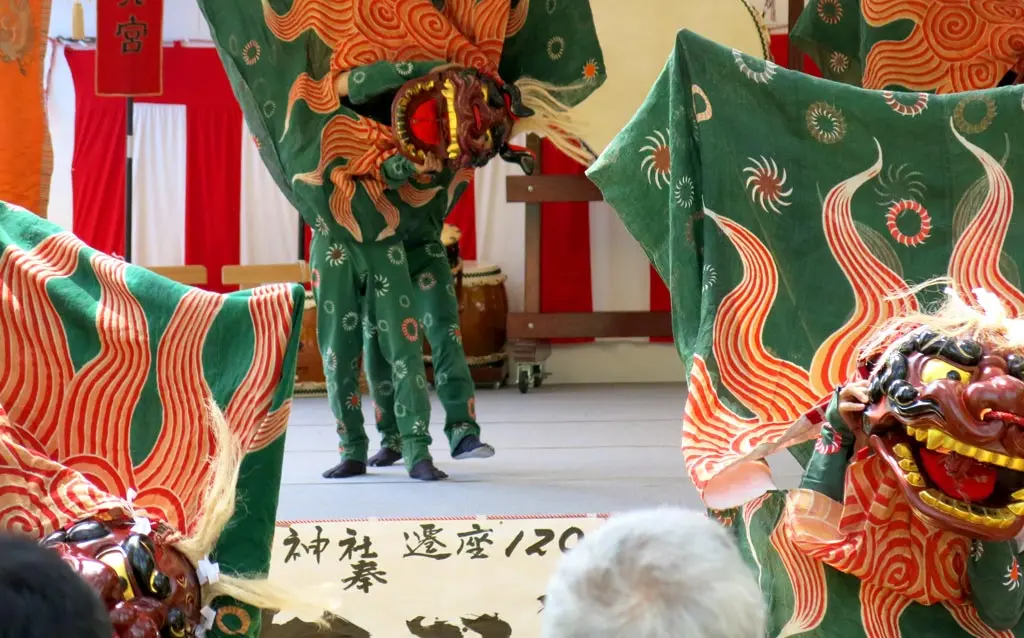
(107,370)
(913,45)
(782,211)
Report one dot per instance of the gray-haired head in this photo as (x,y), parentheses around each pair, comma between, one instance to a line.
(662,573)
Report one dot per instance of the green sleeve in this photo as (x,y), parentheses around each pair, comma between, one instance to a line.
(368,82)
(397,170)
(826,471)
(992,570)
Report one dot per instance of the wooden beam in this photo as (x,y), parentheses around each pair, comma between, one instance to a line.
(551,188)
(796,56)
(580,325)
(531,287)
(188,275)
(250,276)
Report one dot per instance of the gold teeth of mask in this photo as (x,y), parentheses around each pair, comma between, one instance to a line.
(400,127)
(974,514)
(403,102)
(936,439)
(448,91)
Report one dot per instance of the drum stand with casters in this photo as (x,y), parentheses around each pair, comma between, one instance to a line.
(530,332)
(529,366)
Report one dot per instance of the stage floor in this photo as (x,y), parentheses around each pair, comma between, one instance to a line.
(569,449)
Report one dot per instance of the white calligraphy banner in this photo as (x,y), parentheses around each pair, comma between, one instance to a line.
(478,577)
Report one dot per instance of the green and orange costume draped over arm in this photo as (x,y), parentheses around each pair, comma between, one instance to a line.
(453,80)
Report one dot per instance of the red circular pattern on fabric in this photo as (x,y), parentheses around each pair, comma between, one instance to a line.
(911,110)
(893,215)
(410,329)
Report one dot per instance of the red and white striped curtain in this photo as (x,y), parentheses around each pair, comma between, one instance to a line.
(201,195)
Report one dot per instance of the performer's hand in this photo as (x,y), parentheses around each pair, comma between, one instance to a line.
(853,400)
(431,164)
(341,84)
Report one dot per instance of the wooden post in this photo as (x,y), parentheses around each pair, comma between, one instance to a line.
(796,56)
(531,301)
(129,138)
(531,353)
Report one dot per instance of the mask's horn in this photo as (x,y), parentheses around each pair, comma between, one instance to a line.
(521,156)
(514,100)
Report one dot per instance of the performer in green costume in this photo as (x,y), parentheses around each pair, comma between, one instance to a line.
(437,309)
(433,302)
(782,212)
(365,109)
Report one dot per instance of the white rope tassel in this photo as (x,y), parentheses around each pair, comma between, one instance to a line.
(207,572)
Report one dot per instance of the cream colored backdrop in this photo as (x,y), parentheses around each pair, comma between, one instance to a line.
(454,572)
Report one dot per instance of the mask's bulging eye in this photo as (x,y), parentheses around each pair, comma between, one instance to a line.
(937,369)
(115,559)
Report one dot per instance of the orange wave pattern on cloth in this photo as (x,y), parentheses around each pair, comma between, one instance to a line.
(94,410)
(319,95)
(417,197)
(871,280)
(709,428)
(462,176)
(955,45)
(26,160)
(341,203)
(253,396)
(975,260)
(81,419)
(772,388)
(184,396)
(876,536)
(375,189)
(807,576)
(715,439)
(517,18)
(360,141)
(880,611)
(966,615)
(273,426)
(469,33)
(41,495)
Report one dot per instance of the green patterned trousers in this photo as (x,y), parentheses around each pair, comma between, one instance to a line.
(437,310)
(364,296)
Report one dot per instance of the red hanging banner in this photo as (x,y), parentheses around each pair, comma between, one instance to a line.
(129,47)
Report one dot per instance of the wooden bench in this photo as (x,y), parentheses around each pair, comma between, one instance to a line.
(188,275)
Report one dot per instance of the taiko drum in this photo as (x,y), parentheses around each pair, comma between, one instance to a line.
(309,368)
(483,313)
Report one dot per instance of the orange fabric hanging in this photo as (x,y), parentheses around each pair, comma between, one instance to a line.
(26,159)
